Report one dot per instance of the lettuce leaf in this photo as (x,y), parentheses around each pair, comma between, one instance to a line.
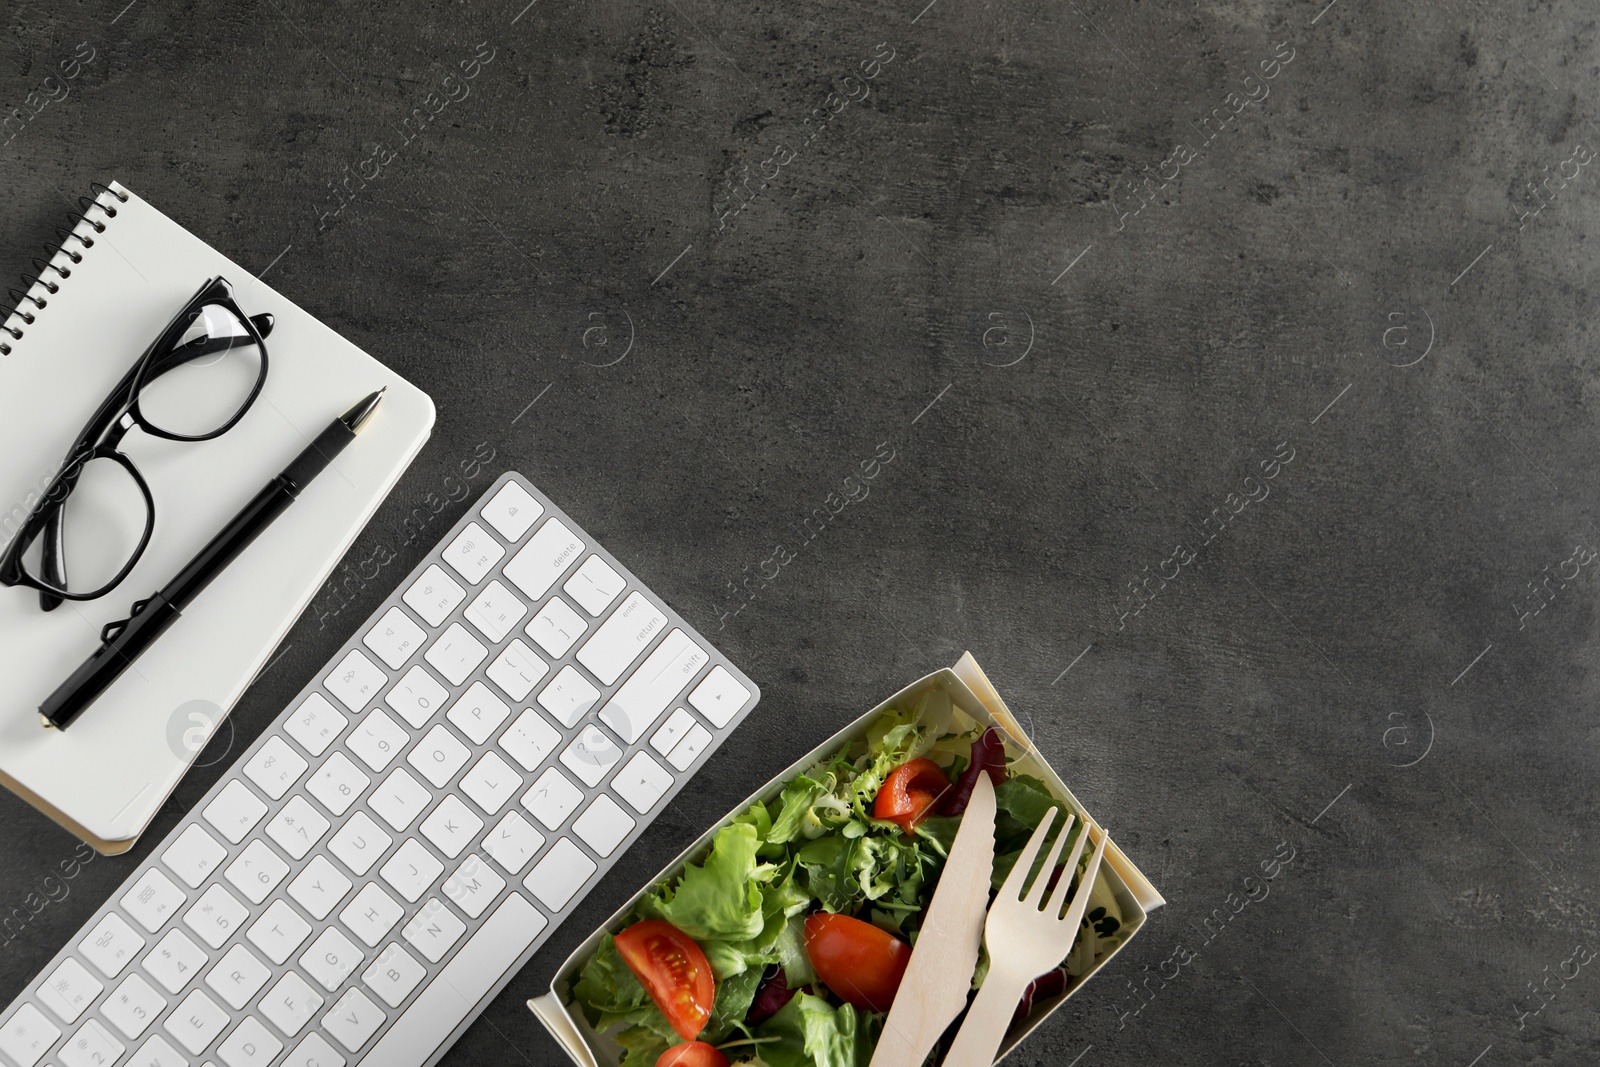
(810,1032)
(719,899)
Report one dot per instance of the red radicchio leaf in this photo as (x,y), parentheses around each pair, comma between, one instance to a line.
(771,995)
(988,754)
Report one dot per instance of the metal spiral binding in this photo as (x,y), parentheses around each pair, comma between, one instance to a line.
(87,203)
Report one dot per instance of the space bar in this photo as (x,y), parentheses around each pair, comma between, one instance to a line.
(454,995)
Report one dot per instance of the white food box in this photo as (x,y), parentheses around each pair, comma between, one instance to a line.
(970,691)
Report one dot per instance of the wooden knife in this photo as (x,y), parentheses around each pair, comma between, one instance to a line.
(939,976)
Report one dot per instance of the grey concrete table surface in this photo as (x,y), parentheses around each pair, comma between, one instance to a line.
(1233,362)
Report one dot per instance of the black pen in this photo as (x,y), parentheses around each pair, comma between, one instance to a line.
(122,642)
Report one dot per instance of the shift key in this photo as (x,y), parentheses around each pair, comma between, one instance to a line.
(663,675)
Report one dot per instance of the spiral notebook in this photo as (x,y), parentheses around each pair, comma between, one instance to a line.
(121,274)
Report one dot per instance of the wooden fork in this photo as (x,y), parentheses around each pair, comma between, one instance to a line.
(1024,941)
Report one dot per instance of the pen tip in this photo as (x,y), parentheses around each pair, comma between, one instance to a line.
(357,416)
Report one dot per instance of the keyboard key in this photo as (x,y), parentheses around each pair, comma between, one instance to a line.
(393,975)
(174,961)
(417,696)
(238,976)
(438,756)
(491,783)
(111,945)
(433,930)
(719,696)
(688,750)
(28,1035)
(372,914)
(473,553)
(411,870)
(359,843)
(546,556)
(434,596)
(251,1045)
(530,740)
(568,696)
(495,612)
(512,511)
(319,887)
(642,782)
(556,879)
(297,827)
(456,654)
(353,1020)
(556,628)
(256,872)
(591,756)
(330,959)
(517,670)
(469,976)
(215,916)
(552,798)
(394,638)
(278,932)
(315,724)
(672,731)
(69,989)
(196,1022)
(378,740)
(337,783)
(315,1051)
(478,713)
(452,826)
(91,1046)
(595,585)
(513,842)
(603,826)
(653,687)
(133,1006)
(291,1003)
(153,900)
(622,638)
(157,1053)
(275,767)
(356,681)
(235,811)
(399,799)
(473,887)
(193,856)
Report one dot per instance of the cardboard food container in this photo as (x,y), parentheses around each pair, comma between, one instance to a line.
(970,691)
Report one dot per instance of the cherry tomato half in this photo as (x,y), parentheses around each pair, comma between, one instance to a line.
(858,961)
(692,1054)
(909,792)
(673,971)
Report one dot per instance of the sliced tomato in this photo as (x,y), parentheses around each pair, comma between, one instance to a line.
(858,961)
(692,1054)
(909,792)
(673,971)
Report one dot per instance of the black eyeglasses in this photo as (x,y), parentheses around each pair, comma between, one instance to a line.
(194,383)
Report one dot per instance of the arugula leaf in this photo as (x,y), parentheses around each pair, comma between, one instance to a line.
(812,1033)
(734,996)
(642,1046)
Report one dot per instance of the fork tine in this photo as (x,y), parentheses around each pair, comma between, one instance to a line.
(1011,888)
(1036,890)
(1059,897)
(1080,902)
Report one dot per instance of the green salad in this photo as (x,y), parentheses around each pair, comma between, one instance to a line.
(784,944)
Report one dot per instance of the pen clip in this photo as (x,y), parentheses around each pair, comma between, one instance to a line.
(110,631)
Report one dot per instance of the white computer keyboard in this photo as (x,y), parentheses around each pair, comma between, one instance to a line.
(376,867)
